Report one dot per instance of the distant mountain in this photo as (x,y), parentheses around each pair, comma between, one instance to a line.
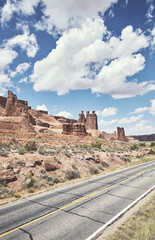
(150,137)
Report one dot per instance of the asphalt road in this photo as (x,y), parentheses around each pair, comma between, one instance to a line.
(76,211)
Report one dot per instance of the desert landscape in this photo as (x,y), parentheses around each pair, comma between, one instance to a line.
(39,151)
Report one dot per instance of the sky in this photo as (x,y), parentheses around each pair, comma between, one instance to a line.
(65,56)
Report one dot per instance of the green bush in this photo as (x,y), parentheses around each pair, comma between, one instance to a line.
(96,145)
(31,190)
(4,154)
(142,144)
(125,159)
(31,146)
(67,154)
(152,144)
(134,147)
(2,182)
(93,170)
(152,152)
(21,151)
(71,175)
(105,164)
(84,146)
(16,195)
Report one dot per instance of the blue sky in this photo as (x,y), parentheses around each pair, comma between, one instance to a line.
(68,56)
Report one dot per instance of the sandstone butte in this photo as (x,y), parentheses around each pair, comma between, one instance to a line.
(17,116)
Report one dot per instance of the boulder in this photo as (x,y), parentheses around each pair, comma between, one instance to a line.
(50,165)
(8,175)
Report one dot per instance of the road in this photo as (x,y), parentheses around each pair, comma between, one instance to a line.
(76,211)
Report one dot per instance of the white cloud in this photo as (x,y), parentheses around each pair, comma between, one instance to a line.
(140,128)
(153,39)
(21,68)
(106,123)
(7,56)
(42,107)
(5,82)
(130,120)
(111,111)
(23,80)
(149,14)
(140,110)
(71,12)
(26,41)
(60,71)
(120,121)
(152,108)
(80,53)
(64,114)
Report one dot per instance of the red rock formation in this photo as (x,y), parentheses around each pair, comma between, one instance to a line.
(121,135)
(90,120)
(15,107)
(77,129)
(2,102)
(16,115)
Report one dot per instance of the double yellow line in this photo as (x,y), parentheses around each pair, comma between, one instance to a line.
(74,202)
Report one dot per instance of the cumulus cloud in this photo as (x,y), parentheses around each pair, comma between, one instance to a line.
(42,107)
(82,60)
(7,56)
(71,12)
(21,68)
(152,108)
(111,111)
(64,114)
(26,41)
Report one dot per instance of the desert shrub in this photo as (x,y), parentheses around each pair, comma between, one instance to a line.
(152,152)
(4,154)
(84,146)
(31,146)
(58,150)
(42,151)
(21,151)
(64,147)
(142,144)
(51,180)
(152,144)
(125,159)
(72,175)
(96,145)
(16,195)
(31,190)
(2,182)
(134,147)
(93,170)
(67,154)
(105,164)
(74,166)
(29,181)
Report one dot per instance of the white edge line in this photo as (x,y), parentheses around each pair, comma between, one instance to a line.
(96,234)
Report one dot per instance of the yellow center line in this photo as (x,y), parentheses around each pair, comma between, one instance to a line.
(74,202)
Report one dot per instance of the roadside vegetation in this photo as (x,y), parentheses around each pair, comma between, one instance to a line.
(37,164)
(140,226)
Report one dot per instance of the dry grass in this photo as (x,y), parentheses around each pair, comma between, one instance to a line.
(140,226)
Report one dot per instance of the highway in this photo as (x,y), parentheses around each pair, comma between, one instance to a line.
(78,210)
